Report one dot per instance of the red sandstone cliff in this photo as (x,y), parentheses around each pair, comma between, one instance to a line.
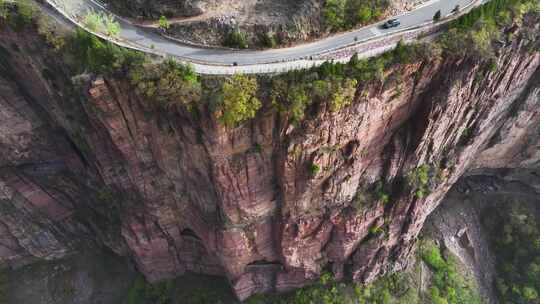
(179,192)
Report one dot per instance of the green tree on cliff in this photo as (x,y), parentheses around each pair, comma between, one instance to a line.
(167,84)
(334,14)
(239,101)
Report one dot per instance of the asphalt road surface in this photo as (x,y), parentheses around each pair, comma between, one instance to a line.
(147,39)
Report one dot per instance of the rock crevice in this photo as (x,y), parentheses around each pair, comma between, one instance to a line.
(179,194)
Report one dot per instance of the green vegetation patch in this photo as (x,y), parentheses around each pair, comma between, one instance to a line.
(164,23)
(102,23)
(269,40)
(376,230)
(474,33)
(239,100)
(368,196)
(162,84)
(23,14)
(392,289)
(18,14)
(82,51)
(95,55)
(515,239)
(52,34)
(381,193)
(142,292)
(314,169)
(236,39)
(448,286)
(336,83)
(167,83)
(418,180)
(345,14)
(398,288)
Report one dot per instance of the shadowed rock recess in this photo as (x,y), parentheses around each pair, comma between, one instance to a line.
(87,160)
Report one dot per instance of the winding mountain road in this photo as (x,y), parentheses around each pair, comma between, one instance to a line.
(208,59)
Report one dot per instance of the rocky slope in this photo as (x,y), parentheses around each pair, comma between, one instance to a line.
(87,160)
(155,9)
(188,8)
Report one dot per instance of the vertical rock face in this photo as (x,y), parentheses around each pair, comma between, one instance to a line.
(47,197)
(180,193)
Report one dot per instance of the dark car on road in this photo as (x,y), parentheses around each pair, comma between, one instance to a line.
(391,23)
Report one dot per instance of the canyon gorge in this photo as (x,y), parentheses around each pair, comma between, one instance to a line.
(271,203)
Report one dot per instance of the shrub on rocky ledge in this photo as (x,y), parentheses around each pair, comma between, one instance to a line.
(101,57)
(418,180)
(102,23)
(343,94)
(236,39)
(51,32)
(268,40)
(18,14)
(345,14)
(239,100)
(166,84)
(474,32)
(381,193)
(314,169)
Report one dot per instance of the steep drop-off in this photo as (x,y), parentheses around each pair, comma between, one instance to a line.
(86,159)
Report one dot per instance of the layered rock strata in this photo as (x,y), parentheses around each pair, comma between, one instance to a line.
(178,192)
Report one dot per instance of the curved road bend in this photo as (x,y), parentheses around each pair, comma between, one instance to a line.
(145,38)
